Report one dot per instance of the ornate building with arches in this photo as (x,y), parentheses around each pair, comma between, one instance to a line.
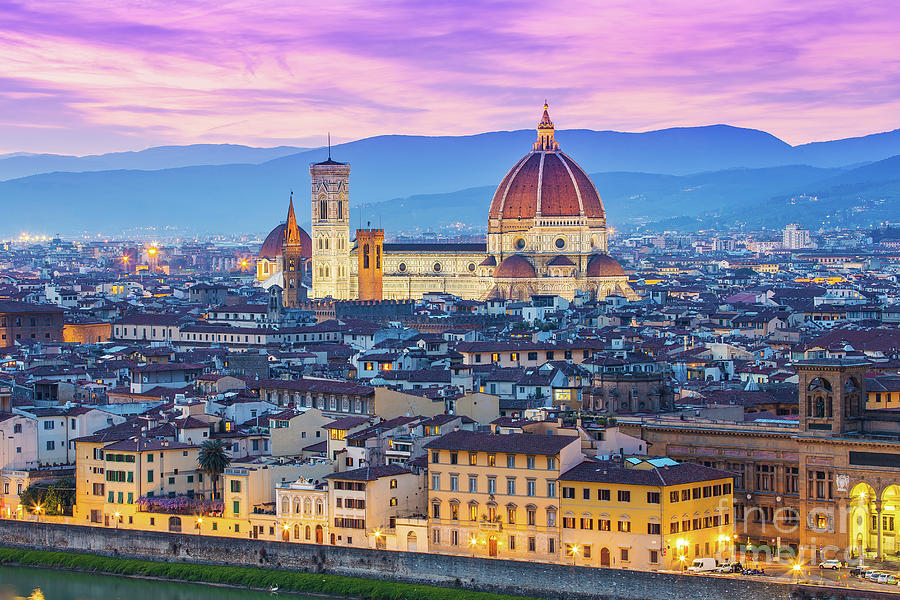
(546,234)
(824,486)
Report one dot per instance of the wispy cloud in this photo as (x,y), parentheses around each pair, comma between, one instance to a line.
(98,75)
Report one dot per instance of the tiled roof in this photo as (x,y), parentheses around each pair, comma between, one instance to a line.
(520,443)
(614,472)
(370,473)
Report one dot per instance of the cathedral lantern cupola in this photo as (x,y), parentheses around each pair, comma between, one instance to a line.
(546,133)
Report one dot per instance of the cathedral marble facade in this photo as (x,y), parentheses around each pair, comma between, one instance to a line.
(546,234)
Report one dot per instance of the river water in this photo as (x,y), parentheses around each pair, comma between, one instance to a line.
(18,583)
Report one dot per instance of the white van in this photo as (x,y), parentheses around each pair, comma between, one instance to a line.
(703,565)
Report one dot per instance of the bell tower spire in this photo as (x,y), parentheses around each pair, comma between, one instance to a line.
(546,133)
(292,266)
(291,230)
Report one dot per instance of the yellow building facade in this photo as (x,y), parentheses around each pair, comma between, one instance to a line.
(497,495)
(645,514)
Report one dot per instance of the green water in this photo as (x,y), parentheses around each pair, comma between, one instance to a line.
(18,583)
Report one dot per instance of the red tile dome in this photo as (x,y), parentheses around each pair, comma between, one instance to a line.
(271,248)
(547,182)
(603,265)
(515,266)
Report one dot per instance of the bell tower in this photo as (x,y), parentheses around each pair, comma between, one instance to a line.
(330,195)
(292,257)
(370,270)
(832,394)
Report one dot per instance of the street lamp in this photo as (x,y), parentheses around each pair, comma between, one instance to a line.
(683,559)
(574,552)
(116,516)
(796,570)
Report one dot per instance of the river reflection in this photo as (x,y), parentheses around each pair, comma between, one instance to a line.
(17,583)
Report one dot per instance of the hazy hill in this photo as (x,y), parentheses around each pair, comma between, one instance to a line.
(682,172)
(161,157)
(864,196)
(628,197)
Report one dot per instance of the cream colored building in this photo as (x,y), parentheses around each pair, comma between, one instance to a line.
(293,430)
(370,500)
(302,510)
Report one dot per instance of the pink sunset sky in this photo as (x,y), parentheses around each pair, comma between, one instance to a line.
(102,75)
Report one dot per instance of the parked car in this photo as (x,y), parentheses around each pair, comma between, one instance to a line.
(831,563)
(884,578)
(873,575)
(734,567)
(703,565)
(859,571)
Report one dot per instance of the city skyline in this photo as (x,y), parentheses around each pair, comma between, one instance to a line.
(166,74)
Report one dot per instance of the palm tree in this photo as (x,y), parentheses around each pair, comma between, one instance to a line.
(213,461)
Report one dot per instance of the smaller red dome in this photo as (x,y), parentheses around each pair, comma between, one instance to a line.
(603,265)
(515,266)
(271,248)
(560,261)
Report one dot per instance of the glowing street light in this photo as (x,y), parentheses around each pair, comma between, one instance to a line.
(683,559)
(574,552)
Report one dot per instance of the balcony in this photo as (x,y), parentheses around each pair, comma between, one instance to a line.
(488,526)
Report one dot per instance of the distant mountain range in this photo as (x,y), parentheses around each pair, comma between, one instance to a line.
(23,164)
(686,176)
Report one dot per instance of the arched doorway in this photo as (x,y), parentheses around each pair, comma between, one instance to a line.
(296,532)
(285,534)
(175,524)
(411,541)
(863,538)
(890,520)
(492,546)
(319,534)
(332,539)
(604,557)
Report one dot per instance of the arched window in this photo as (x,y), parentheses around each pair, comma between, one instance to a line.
(297,531)
(340,207)
(285,505)
(307,507)
(307,532)
(323,209)
(319,508)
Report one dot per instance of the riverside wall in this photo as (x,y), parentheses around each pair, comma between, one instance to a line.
(501,576)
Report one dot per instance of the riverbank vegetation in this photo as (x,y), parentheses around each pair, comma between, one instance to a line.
(251,577)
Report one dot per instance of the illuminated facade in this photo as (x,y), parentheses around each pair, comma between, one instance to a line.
(546,234)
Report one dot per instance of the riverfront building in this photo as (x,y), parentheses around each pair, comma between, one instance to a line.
(645,513)
(497,495)
(824,486)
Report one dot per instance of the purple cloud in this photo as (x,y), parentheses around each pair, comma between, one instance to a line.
(248,72)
